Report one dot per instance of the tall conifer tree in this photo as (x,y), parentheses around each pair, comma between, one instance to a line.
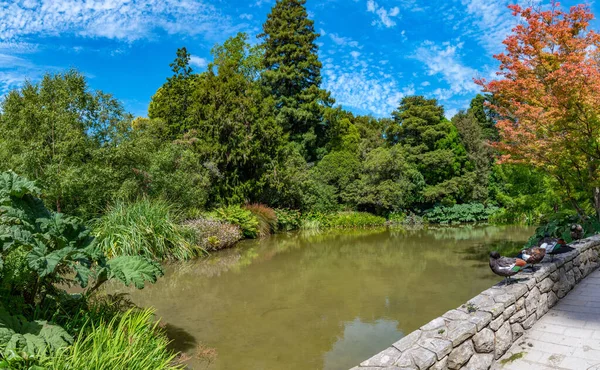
(293,73)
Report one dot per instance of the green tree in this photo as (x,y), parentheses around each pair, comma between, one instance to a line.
(480,154)
(53,132)
(232,124)
(172,100)
(485,116)
(432,142)
(293,74)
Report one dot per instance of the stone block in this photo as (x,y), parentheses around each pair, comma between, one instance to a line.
(406,361)
(481,319)
(386,357)
(408,341)
(483,342)
(506,299)
(517,331)
(456,315)
(546,285)
(552,299)
(497,323)
(422,357)
(480,361)
(542,305)
(520,303)
(441,347)
(519,316)
(459,331)
(440,365)
(460,355)
(503,340)
(509,311)
(434,324)
(528,323)
(531,301)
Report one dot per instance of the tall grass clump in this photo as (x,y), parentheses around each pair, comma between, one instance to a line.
(238,216)
(266,216)
(128,341)
(146,227)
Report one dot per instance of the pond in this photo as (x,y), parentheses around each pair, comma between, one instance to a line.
(323,300)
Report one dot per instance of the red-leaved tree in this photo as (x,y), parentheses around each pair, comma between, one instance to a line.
(548,98)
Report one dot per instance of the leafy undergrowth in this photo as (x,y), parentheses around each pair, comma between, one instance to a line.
(212,235)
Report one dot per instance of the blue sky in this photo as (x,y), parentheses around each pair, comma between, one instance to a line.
(374,52)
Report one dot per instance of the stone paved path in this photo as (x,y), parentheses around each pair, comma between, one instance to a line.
(567,337)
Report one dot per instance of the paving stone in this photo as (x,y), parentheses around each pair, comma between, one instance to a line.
(434,324)
(456,315)
(460,355)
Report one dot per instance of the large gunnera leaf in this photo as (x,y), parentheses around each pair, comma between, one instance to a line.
(134,269)
(35,338)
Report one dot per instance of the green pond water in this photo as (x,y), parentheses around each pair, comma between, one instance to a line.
(321,301)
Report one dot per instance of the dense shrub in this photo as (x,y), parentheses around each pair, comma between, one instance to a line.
(266,216)
(212,235)
(402,218)
(354,219)
(239,216)
(146,227)
(129,341)
(559,226)
(460,213)
(287,219)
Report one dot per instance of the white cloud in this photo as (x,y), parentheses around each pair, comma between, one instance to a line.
(198,62)
(355,54)
(445,61)
(362,87)
(493,20)
(114,19)
(385,16)
(343,41)
(246,16)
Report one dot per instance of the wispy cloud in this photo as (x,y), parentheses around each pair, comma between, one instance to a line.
(113,19)
(370,90)
(343,41)
(385,17)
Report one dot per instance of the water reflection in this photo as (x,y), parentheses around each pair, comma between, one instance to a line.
(323,301)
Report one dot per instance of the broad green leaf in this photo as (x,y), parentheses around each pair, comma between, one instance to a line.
(134,270)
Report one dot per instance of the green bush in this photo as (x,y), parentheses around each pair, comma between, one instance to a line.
(460,213)
(559,226)
(128,341)
(287,219)
(354,220)
(266,216)
(146,227)
(239,216)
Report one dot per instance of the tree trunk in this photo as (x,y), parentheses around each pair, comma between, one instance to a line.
(596,191)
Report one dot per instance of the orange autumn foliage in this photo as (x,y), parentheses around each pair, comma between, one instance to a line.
(548,97)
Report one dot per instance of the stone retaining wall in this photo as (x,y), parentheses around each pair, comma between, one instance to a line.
(483,329)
